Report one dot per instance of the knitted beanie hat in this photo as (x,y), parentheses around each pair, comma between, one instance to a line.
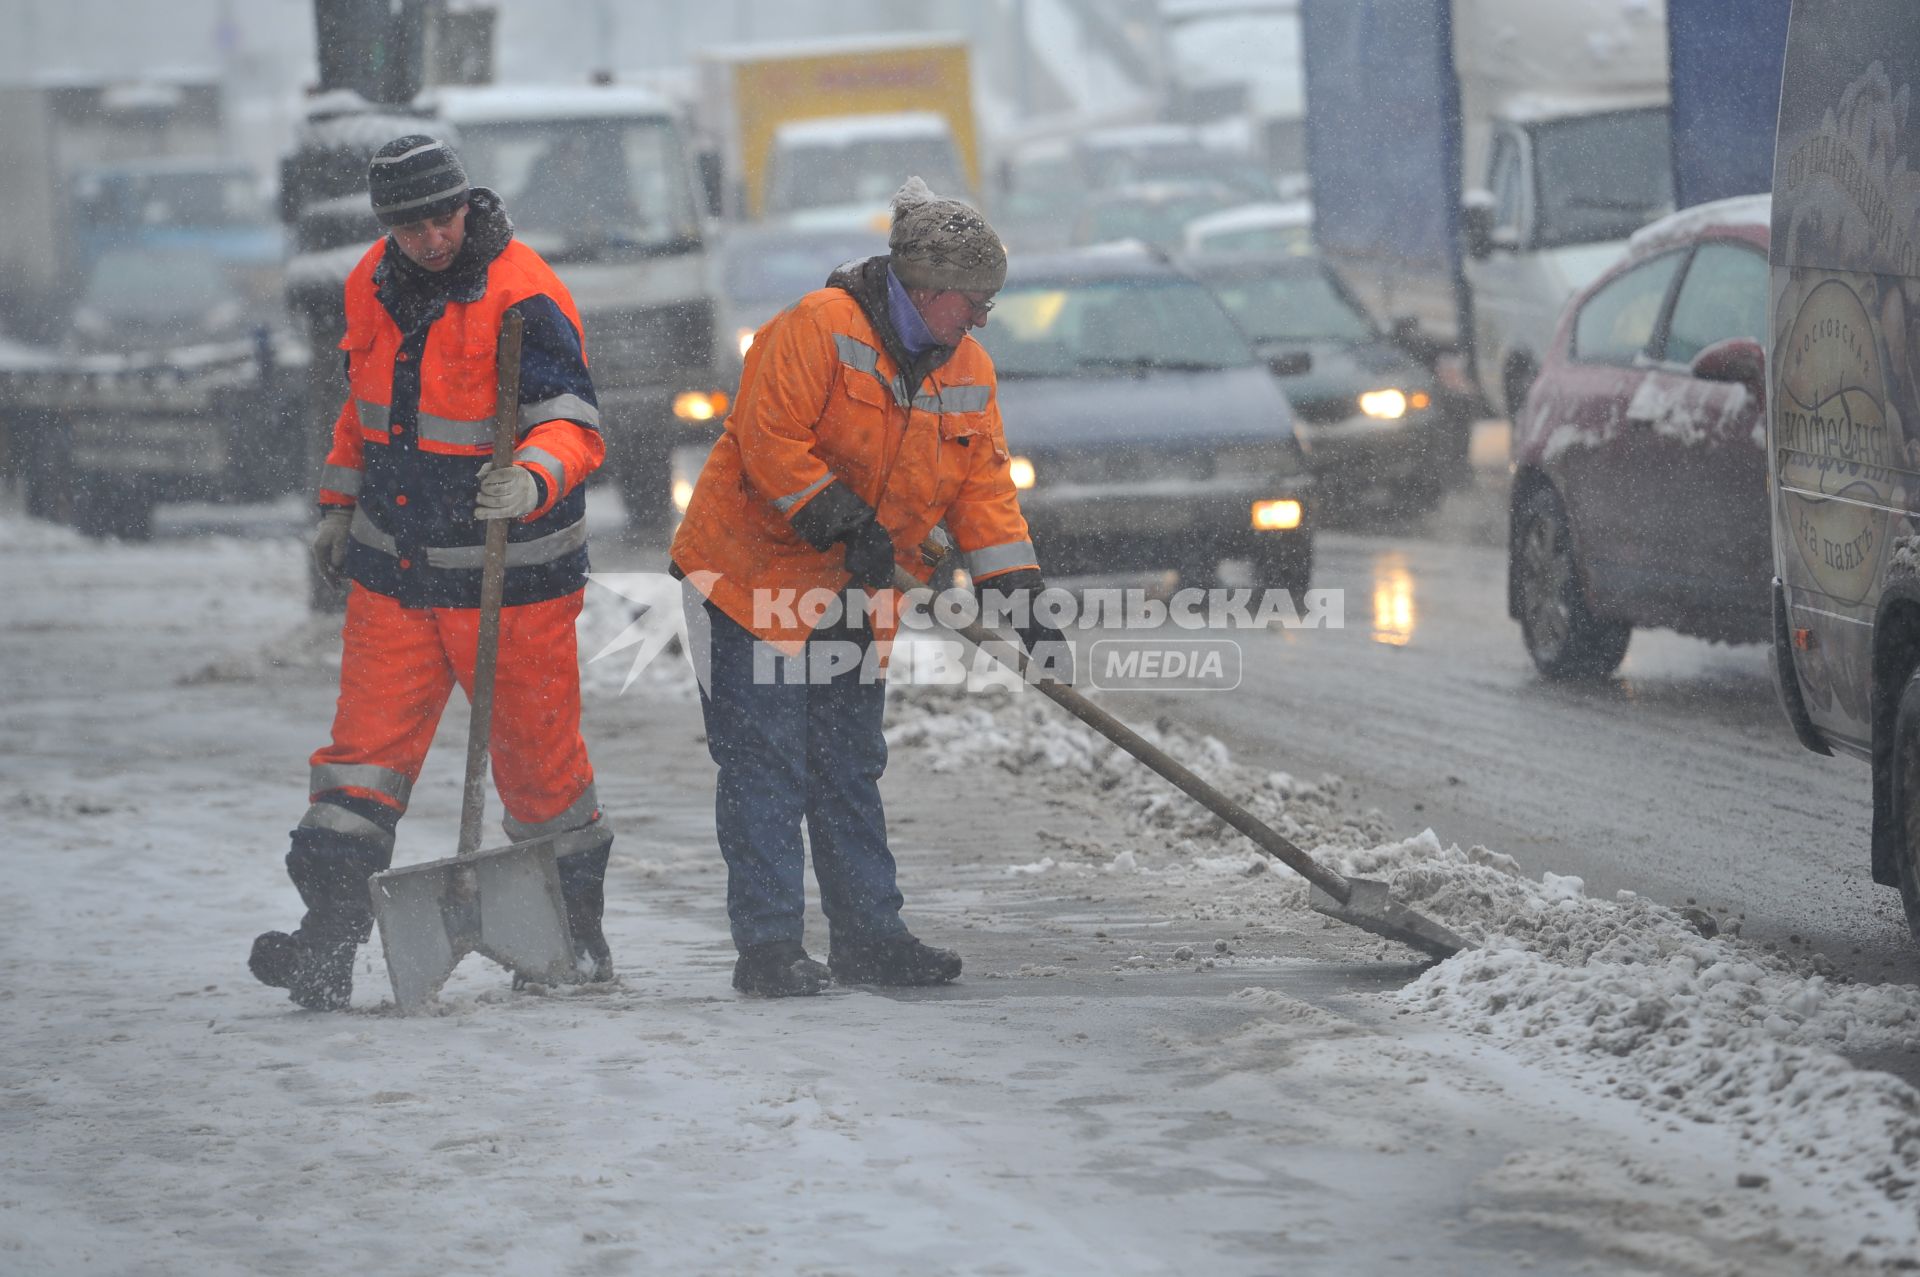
(943,243)
(413,178)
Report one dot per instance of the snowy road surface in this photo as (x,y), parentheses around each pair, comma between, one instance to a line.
(1158,1061)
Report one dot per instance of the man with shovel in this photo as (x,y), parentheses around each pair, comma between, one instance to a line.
(866,416)
(404,499)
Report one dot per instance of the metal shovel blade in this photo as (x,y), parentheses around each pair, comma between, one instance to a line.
(1368,908)
(504,903)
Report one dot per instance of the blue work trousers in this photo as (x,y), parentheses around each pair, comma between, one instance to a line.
(793,741)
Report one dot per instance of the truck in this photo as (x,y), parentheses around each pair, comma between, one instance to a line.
(151,358)
(59,129)
(829,129)
(600,180)
(1843,407)
(1474,163)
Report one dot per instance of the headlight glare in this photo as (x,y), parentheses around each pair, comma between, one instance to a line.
(1383,405)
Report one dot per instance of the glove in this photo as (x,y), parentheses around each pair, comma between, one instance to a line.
(508,492)
(330,545)
(870,556)
(1049,654)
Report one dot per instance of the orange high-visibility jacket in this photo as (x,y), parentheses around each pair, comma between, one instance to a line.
(821,400)
(418,423)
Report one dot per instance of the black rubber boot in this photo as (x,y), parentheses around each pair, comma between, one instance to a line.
(781,969)
(583,885)
(894,960)
(315,963)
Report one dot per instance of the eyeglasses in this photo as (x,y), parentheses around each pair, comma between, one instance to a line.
(982,309)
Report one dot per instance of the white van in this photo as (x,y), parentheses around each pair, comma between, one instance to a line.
(1843,427)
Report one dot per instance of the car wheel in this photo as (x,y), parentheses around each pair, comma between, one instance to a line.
(1565,640)
(1906,798)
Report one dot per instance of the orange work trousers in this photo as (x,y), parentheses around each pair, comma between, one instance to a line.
(399,665)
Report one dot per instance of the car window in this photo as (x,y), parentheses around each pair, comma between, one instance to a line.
(1089,330)
(1505,184)
(1617,322)
(1724,295)
(1302,306)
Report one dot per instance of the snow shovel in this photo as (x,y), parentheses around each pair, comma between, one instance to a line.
(1359,902)
(505,902)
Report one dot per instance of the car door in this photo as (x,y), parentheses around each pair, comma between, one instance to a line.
(1590,450)
(1697,455)
(1499,290)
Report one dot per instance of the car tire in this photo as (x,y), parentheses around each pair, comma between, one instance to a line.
(1905,766)
(1564,638)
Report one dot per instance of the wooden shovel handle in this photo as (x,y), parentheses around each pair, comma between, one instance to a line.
(493,586)
(1264,836)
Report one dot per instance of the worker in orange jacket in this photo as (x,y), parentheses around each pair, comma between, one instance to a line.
(866,416)
(405,498)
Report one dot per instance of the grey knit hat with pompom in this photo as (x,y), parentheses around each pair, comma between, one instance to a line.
(943,243)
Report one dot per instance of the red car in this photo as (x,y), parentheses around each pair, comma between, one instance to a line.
(1639,461)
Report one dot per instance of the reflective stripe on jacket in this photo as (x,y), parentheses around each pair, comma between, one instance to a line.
(418,425)
(821,400)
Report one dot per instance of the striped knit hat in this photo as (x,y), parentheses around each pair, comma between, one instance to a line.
(413,178)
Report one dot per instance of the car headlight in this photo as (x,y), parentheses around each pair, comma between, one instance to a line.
(1392,404)
(682,494)
(745,337)
(1383,405)
(1022,471)
(1282,515)
(699,405)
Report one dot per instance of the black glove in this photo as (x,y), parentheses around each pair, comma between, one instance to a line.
(1049,654)
(870,556)
(836,516)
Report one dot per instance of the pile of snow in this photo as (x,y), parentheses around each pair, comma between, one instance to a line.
(1631,998)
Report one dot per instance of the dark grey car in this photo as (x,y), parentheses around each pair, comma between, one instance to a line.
(1146,432)
(1367,405)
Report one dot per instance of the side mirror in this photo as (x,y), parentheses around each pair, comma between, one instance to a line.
(1291,363)
(1476,225)
(1737,359)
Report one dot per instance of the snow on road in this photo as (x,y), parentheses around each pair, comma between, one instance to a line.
(1159,1061)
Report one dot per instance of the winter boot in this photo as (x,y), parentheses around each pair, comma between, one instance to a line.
(315,963)
(583,879)
(780,969)
(897,959)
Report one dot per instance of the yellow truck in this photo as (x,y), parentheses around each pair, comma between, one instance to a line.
(824,132)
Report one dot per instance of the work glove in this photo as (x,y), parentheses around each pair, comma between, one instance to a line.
(870,556)
(330,545)
(1049,653)
(837,517)
(506,492)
